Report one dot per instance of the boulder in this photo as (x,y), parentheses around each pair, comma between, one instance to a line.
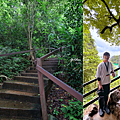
(91,112)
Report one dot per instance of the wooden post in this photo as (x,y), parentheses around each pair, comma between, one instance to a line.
(42,92)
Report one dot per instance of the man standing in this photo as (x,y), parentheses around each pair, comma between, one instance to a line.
(104,80)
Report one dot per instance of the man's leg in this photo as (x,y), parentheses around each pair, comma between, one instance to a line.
(101,104)
(107,90)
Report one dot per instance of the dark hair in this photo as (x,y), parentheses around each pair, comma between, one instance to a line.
(106,54)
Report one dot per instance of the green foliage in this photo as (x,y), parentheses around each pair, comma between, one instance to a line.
(115,59)
(55,112)
(90,59)
(12,65)
(96,15)
(11,32)
(90,97)
(117,82)
(74,111)
(72,34)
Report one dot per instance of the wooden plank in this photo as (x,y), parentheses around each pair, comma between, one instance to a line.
(18,52)
(49,54)
(42,91)
(47,63)
(22,52)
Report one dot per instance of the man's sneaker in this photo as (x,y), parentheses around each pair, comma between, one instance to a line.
(101,112)
(107,110)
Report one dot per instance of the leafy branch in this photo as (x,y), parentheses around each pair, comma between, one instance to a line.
(84,1)
(109,10)
(108,27)
(110,16)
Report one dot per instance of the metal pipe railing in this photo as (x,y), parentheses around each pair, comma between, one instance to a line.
(92,91)
(91,81)
(95,99)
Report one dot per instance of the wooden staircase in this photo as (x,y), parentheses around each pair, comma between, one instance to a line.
(20,98)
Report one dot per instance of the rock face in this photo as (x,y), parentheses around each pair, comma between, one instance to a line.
(114,103)
(91,112)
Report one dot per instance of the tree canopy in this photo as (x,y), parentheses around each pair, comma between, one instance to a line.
(104,15)
(28,24)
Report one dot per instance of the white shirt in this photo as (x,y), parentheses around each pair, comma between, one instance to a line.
(102,72)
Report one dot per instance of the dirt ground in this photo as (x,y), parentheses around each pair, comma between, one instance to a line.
(56,98)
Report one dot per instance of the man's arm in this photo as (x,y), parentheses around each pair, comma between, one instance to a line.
(99,82)
(98,76)
(113,73)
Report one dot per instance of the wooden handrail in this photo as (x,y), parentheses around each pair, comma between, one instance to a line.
(15,53)
(42,72)
(91,81)
(60,83)
(22,52)
(38,61)
(49,54)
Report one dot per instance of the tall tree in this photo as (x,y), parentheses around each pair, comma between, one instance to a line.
(29,15)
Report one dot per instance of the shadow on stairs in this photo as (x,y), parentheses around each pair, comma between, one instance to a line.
(20,98)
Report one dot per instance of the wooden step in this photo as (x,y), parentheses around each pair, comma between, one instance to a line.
(21,86)
(30,79)
(49,70)
(52,59)
(32,68)
(51,63)
(46,67)
(30,74)
(19,109)
(17,118)
(20,96)
(31,71)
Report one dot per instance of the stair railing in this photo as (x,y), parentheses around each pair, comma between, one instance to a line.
(42,72)
(59,82)
(15,53)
